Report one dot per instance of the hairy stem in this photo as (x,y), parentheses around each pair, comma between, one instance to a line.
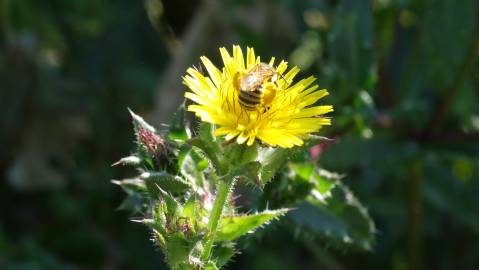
(224,188)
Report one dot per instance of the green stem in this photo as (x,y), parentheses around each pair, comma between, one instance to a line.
(222,193)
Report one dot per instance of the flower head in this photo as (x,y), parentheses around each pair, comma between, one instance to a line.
(284,118)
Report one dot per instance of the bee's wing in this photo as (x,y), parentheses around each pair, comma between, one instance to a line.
(251,81)
(256,76)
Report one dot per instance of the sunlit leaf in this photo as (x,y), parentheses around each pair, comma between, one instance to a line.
(130,160)
(233,227)
(178,249)
(178,129)
(211,266)
(192,169)
(272,160)
(210,149)
(322,179)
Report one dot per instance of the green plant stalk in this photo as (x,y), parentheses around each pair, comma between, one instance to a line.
(224,189)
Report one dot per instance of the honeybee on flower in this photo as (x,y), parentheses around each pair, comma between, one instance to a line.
(251,100)
(257,87)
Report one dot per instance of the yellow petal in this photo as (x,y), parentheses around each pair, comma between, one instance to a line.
(214,72)
(251,58)
(238,57)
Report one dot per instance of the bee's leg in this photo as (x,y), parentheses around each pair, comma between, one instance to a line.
(259,112)
(241,111)
(234,104)
(240,116)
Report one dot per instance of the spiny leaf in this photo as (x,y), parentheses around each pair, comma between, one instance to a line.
(177,249)
(239,154)
(210,149)
(316,139)
(211,266)
(339,218)
(138,122)
(133,188)
(178,129)
(206,133)
(222,253)
(133,202)
(183,150)
(138,125)
(168,206)
(192,169)
(233,227)
(248,171)
(169,183)
(323,180)
(130,160)
(133,184)
(194,214)
(272,160)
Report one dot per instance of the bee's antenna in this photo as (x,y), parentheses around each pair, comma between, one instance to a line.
(283,77)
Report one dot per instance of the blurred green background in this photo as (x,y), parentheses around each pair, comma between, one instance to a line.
(403,77)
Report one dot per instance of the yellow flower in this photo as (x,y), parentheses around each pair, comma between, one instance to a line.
(286,121)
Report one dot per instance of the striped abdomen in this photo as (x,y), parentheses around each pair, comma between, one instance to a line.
(250,100)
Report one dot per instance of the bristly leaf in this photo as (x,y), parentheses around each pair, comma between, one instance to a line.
(133,184)
(222,253)
(130,160)
(339,218)
(211,266)
(141,125)
(316,139)
(133,203)
(231,228)
(134,189)
(249,171)
(183,150)
(178,129)
(138,122)
(211,151)
(172,205)
(272,160)
(178,249)
(322,180)
(239,154)
(206,132)
(193,212)
(167,182)
(192,167)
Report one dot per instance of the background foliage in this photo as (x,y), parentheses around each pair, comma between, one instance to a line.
(403,77)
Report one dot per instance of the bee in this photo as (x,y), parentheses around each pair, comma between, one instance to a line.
(257,88)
